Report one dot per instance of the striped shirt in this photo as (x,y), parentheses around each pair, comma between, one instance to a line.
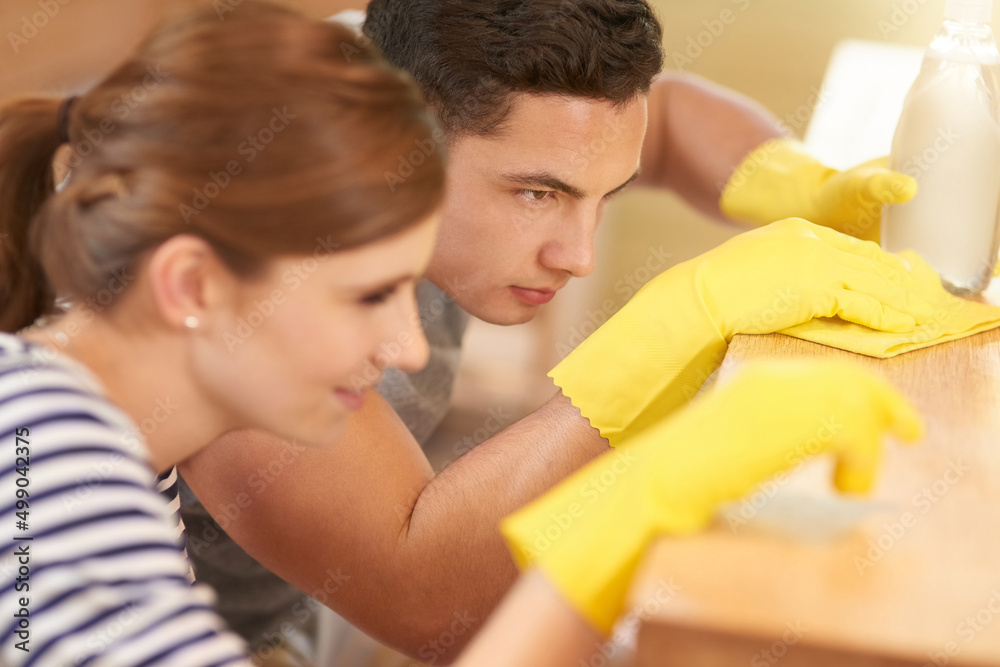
(168,486)
(92,570)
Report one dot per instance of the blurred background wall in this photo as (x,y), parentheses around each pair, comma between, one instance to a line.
(773,50)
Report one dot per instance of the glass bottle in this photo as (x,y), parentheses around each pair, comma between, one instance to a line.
(948,139)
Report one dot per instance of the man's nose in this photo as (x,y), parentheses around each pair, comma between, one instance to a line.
(572,250)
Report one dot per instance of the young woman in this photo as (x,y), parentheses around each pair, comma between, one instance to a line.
(225,253)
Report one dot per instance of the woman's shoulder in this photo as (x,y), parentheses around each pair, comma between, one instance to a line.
(43,390)
(107,569)
(12,346)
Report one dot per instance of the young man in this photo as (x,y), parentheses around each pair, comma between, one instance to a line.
(544,107)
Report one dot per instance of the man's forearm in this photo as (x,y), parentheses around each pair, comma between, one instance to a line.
(698,134)
(453,529)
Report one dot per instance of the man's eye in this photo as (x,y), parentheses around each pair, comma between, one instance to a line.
(378,297)
(536,195)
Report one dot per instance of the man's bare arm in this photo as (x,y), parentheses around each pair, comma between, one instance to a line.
(698,134)
(414,559)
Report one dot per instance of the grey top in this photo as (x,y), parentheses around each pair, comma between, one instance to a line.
(421,399)
(256,602)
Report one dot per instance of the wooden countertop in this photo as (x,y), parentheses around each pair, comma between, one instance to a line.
(910,576)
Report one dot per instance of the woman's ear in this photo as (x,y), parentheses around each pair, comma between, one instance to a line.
(189,281)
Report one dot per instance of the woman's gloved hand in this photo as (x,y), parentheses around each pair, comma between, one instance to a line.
(588,534)
(779,180)
(656,352)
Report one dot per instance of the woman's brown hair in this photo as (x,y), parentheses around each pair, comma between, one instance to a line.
(264,133)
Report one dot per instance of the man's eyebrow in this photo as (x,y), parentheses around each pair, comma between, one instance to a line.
(545,180)
(624,185)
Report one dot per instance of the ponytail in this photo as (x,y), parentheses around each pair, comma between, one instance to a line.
(29,138)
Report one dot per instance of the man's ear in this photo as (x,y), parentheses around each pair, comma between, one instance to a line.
(189,282)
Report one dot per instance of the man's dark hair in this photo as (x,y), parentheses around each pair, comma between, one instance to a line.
(470,56)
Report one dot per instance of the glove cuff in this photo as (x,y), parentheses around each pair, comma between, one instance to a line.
(777,180)
(651,357)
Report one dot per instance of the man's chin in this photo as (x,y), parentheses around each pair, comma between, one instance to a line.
(505,314)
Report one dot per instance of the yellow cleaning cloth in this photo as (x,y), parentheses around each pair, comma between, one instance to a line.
(954,318)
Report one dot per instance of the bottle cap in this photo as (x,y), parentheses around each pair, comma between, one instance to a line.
(969,11)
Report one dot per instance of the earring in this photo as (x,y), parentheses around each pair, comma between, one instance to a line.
(191,322)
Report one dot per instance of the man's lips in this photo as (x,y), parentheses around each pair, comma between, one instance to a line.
(533,297)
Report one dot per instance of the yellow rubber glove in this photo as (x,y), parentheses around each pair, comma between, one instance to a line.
(588,534)
(954,318)
(780,180)
(658,350)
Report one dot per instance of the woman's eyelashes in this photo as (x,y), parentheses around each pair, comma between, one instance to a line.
(379,297)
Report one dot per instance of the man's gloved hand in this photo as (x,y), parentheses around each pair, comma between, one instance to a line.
(780,180)
(658,350)
(588,534)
